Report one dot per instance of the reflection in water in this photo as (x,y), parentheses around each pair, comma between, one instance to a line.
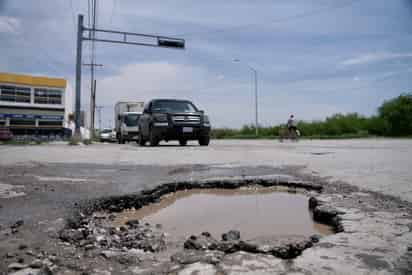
(254,211)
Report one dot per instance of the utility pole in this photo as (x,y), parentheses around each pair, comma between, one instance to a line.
(148,40)
(92,95)
(99,111)
(92,80)
(92,107)
(78,72)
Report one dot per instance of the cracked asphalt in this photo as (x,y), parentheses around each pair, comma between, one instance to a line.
(41,184)
(377,164)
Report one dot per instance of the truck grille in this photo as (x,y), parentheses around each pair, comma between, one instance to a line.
(181,119)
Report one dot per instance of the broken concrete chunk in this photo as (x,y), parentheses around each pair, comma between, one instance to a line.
(202,242)
(17,224)
(232,235)
(16,266)
(192,256)
(71,235)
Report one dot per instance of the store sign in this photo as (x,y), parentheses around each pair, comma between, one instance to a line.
(23,116)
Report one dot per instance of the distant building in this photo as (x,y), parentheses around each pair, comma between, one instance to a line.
(31,105)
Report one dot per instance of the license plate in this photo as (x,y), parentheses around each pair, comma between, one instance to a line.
(187,129)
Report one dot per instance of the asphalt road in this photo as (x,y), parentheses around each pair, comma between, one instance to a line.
(376,164)
(41,184)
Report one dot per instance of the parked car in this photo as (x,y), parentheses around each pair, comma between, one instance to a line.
(172,119)
(107,135)
(5,134)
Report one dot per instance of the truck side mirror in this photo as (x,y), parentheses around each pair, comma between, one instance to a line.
(118,117)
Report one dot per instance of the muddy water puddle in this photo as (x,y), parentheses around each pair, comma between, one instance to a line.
(255,212)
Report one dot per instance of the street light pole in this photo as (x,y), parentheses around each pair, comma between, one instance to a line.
(256,102)
(255,78)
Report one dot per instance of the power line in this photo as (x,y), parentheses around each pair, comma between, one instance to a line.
(113,10)
(276,20)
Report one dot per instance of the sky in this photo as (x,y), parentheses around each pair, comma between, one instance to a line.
(314,58)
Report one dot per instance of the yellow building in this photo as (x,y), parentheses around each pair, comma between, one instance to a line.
(31,104)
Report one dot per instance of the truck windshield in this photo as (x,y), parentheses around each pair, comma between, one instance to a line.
(131,120)
(173,106)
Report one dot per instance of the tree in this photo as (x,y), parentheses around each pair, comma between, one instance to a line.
(397,115)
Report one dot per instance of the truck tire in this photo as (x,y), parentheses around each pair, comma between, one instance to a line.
(182,142)
(204,141)
(153,140)
(141,141)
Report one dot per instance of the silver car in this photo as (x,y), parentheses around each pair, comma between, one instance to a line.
(107,135)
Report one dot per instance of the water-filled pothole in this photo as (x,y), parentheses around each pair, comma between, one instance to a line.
(255,212)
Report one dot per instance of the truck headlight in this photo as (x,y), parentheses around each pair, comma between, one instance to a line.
(206,120)
(160,117)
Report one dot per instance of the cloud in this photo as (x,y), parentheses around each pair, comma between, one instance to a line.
(374,57)
(9,24)
(143,81)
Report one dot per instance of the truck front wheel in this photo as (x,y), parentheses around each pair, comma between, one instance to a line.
(153,140)
(204,141)
(142,141)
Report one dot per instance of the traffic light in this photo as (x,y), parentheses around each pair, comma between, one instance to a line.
(171,43)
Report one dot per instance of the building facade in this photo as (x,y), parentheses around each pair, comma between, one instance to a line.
(32,105)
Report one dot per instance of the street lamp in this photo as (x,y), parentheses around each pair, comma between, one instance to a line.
(255,75)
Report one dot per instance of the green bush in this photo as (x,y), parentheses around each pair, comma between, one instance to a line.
(220,133)
(376,126)
(397,115)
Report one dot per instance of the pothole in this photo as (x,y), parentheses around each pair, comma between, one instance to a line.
(255,212)
(263,215)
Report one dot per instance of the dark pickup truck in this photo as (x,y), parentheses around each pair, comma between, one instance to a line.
(172,119)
